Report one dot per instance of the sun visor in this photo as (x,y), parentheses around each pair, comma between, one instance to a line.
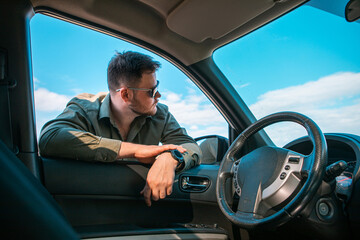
(213,18)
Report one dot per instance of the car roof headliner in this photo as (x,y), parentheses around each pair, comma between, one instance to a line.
(187,30)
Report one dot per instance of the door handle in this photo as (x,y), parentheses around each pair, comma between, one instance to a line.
(193,186)
(194,183)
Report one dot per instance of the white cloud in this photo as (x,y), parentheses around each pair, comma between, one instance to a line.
(48,105)
(320,93)
(333,102)
(285,132)
(49,101)
(192,109)
(220,129)
(173,97)
(196,113)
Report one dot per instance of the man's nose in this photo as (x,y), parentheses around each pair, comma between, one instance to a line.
(157,95)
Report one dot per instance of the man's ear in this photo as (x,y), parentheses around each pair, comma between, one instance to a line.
(125,94)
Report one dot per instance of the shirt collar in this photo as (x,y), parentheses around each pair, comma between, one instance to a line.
(105,111)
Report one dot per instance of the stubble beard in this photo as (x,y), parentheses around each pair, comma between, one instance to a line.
(135,109)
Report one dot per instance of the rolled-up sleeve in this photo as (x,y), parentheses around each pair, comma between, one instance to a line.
(192,155)
(174,134)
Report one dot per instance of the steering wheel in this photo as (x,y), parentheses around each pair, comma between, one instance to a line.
(274,184)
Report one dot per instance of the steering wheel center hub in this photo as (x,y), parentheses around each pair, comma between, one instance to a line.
(263,166)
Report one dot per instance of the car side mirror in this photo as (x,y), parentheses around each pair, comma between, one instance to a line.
(352,10)
(213,148)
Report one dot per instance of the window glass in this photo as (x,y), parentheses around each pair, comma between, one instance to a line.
(306,61)
(69,59)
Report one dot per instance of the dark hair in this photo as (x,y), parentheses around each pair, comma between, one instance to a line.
(127,68)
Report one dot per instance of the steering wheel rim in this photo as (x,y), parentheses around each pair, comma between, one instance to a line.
(312,172)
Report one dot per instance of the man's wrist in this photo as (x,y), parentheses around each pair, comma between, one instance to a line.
(168,156)
(178,158)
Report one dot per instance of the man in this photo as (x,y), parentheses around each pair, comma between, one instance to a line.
(126,123)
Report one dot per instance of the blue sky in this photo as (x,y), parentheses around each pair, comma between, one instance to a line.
(319,45)
(318,53)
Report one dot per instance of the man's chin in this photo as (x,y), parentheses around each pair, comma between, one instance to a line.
(153,112)
(150,113)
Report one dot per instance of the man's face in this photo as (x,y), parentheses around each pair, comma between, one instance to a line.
(142,103)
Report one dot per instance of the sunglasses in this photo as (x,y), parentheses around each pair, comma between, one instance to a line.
(152,91)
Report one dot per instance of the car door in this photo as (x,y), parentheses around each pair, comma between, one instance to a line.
(103,199)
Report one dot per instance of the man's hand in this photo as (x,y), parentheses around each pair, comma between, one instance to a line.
(160,178)
(145,153)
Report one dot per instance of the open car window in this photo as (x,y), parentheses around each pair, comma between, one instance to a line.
(69,60)
(306,61)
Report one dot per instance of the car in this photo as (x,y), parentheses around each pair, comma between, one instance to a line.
(308,188)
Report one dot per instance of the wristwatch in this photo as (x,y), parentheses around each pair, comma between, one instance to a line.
(176,154)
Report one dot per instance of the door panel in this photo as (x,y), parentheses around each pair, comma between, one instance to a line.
(100,195)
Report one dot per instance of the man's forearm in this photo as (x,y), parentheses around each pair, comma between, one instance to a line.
(128,150)
(145,153)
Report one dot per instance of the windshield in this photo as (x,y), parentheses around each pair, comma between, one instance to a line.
(306,61)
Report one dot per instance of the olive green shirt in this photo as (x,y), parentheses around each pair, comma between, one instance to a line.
(86,131)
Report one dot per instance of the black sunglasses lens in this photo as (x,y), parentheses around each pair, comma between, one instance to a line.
(154,90)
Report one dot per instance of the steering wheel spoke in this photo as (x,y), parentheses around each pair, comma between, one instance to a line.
(307,165)
(226,175)
(250,198)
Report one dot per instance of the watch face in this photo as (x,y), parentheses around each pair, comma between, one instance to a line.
(177,154)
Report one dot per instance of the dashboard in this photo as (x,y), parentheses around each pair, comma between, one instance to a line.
(344,147)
